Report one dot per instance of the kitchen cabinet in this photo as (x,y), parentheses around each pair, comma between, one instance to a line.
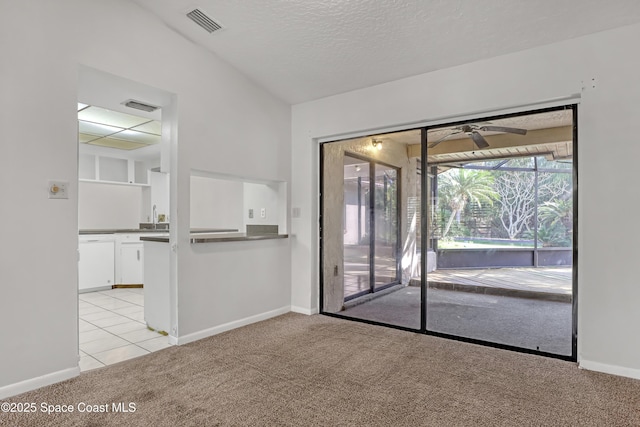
(96,265)
(112,170)
(131,263)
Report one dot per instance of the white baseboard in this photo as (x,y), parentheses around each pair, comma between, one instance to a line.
(302,310)
(37,382)
(231,325)
(610,369)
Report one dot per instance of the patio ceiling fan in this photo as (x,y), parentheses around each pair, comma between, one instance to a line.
(472,132)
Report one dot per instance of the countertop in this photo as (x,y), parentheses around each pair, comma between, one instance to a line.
(218,237)
(150,230)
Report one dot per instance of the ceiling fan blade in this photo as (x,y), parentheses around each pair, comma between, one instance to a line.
(479,139)
(434,143)
(504,129)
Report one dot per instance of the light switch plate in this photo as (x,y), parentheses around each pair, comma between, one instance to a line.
(250,213)
(58,189)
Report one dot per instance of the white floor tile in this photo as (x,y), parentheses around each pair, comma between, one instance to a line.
(88,363)
(112,292)
(132,298)
(129,310)
(115,319)
(115,303)
(84,326)
(94,347)
(155,344)
(94,335)
(110,321)
(119,354)
(122,328)
(139,335)
(98,315)
(137,316)
(94,297)
(82,311)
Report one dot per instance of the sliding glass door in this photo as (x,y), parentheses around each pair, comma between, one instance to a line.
(371,228)
(357,227)
(464,230)
(385,238)
(502,231)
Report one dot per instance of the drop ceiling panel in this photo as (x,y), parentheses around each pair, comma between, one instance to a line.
(117,143)
(139,137)
(83,138)
(97,129)
(105,128)
(154,127)
(113,118)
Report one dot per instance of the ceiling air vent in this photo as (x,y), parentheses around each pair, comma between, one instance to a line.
(199,17)
(140,105)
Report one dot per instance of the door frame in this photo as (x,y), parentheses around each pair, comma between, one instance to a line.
(372,226)
(573,357)
(573,105)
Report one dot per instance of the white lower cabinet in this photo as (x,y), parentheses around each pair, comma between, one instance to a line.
(131,264)
(96,266)
(111,259)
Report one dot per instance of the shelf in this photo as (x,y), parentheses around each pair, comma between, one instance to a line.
(95,181)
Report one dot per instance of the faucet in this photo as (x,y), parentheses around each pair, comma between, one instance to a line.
(155,216)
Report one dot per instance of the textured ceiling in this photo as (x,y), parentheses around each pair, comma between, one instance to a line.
(304,50)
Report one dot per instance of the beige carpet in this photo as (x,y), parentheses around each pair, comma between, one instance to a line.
(298,370)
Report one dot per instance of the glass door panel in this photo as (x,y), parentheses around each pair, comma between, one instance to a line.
(386,227)
(370,216)
(501,232)
(356,226)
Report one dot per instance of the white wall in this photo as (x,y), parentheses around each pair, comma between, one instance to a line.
(222,122)
(109,206)
(607,231)
(216,203)
(159,195)
(259,196)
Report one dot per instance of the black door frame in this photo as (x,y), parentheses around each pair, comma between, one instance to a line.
(424,237)
(372,225)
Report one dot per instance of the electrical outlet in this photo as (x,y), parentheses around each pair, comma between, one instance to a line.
(58,189)
(263,213)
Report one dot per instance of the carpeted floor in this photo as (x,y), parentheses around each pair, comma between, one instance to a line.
(315,370)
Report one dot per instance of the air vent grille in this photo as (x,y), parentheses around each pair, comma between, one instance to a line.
(197,16)
(140,105)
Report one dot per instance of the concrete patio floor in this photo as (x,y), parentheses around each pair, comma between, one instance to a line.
(518,307)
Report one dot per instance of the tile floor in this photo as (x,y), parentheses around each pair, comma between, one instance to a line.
(112,328)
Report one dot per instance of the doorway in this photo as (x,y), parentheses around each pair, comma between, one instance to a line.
(487,245)
(371,227)
(121,199)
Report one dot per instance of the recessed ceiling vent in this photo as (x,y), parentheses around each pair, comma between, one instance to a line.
(200,18)
(140,105)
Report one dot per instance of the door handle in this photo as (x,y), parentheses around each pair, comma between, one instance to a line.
(138,254)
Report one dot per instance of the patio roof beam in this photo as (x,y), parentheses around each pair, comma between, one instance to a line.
(497,141)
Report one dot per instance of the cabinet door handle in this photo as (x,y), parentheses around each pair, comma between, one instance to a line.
(138,254)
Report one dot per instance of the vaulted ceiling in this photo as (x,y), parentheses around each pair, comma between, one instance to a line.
(304,50)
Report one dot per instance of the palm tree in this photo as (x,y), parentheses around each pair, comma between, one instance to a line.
(457,187)
(556,211)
